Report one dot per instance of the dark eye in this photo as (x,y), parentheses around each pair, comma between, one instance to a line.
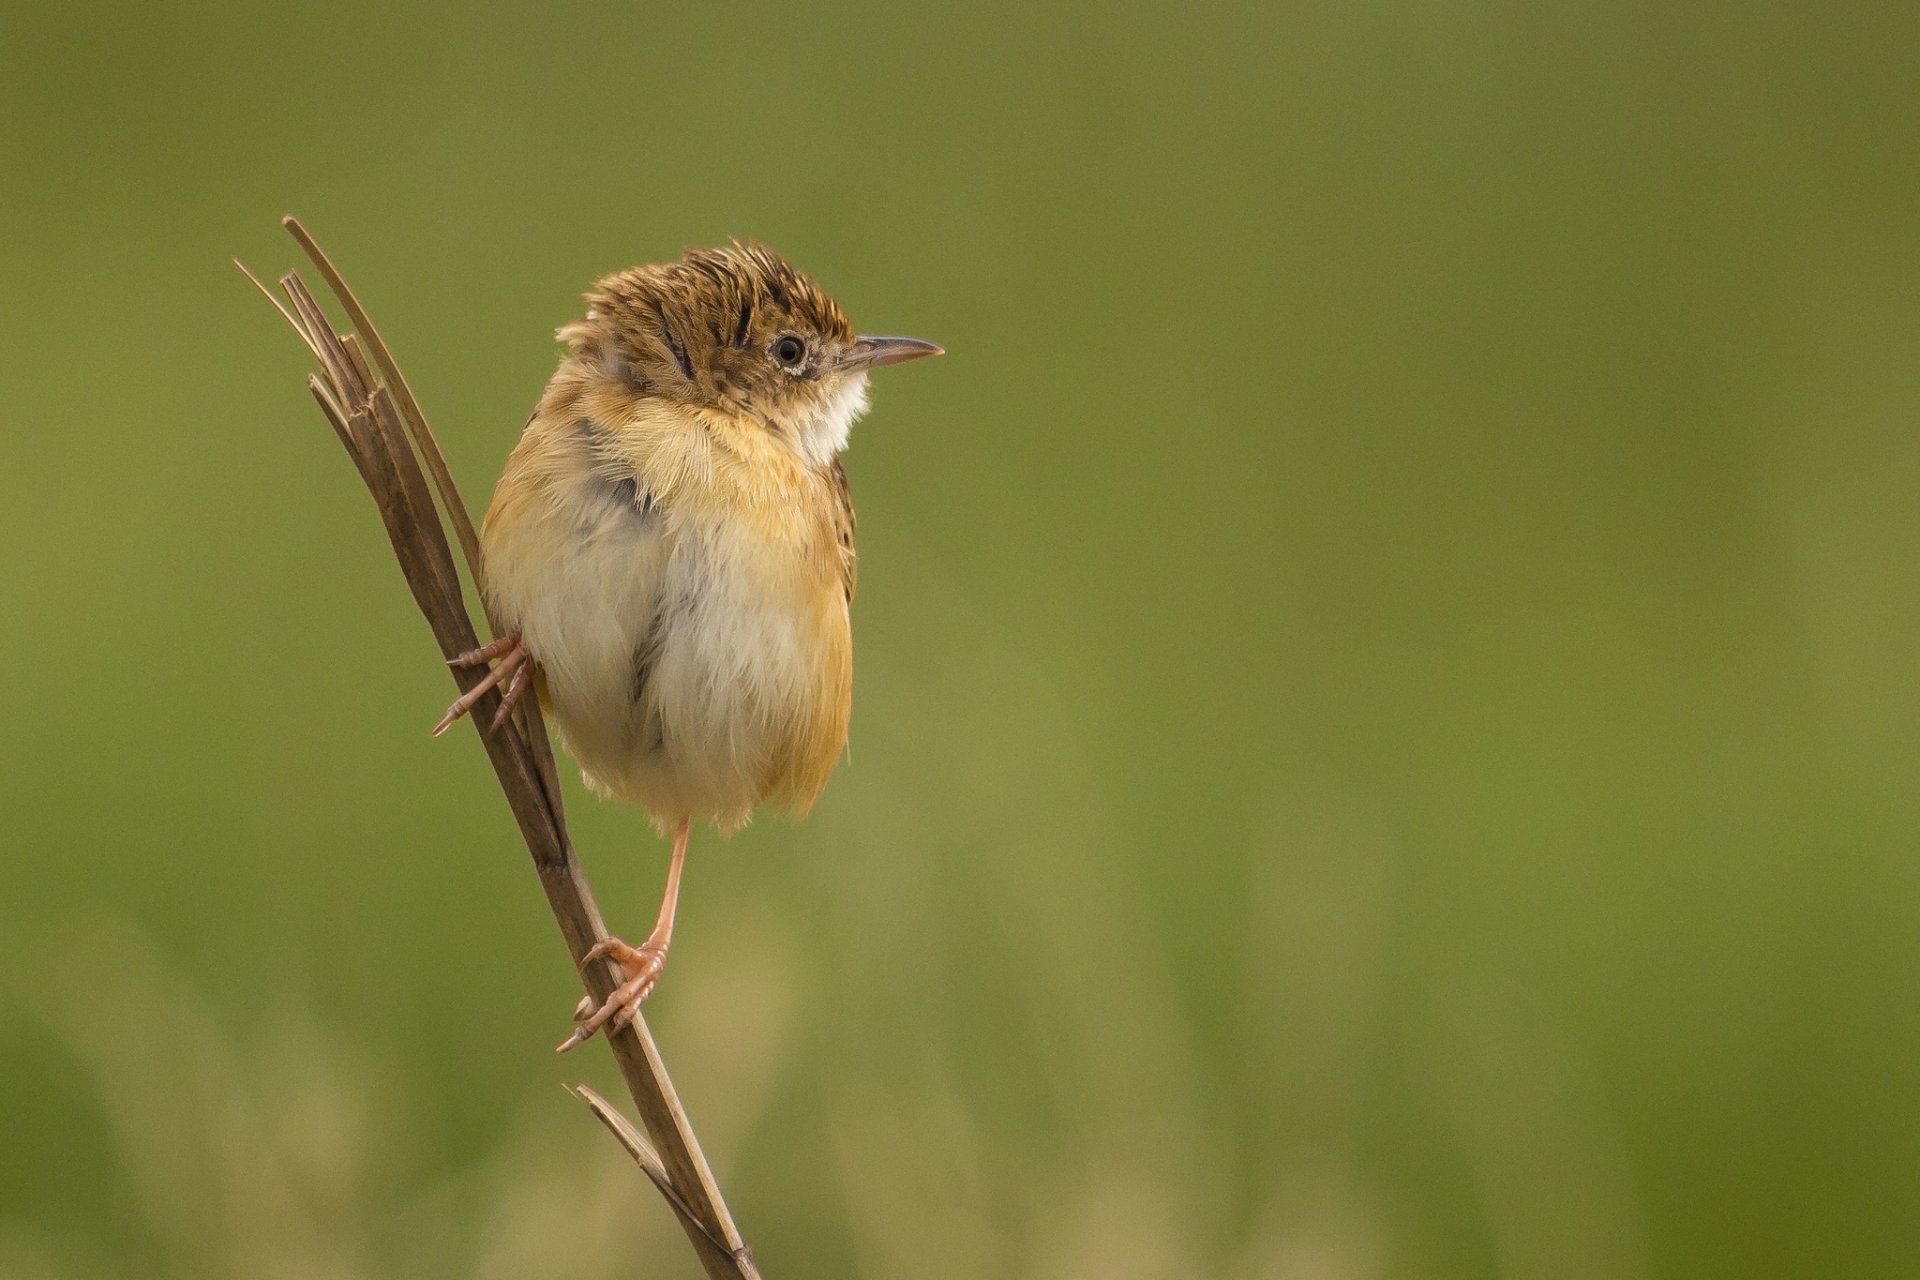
(789,351)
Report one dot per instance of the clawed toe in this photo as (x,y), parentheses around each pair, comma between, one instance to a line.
(514,666)
(602,949)
(639,966)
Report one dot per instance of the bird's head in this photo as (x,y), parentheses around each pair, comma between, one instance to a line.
(741,331)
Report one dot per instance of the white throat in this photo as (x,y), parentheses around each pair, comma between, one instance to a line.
(824,437)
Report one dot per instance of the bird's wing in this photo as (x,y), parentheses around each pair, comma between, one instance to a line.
(843,528)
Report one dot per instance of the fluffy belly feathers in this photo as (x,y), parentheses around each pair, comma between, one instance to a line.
(697,668)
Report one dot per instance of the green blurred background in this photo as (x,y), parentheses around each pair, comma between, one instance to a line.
(1387,717)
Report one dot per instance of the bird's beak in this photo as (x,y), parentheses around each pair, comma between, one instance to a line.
(871,353)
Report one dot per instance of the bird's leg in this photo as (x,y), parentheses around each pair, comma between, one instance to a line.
(639,966)
(514,661)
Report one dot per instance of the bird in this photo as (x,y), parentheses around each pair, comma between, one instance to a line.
(668,560)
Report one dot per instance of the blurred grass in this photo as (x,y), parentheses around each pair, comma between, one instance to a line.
(1387,712)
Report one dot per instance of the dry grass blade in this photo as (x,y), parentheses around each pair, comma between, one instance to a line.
(365,400)
(416,420)
(636,1145)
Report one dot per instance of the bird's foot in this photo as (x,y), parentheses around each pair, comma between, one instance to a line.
(512,663)
(639,970)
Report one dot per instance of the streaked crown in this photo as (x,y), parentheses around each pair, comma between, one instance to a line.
(741,330)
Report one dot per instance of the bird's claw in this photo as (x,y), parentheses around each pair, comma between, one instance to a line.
(515,667)
(640,969)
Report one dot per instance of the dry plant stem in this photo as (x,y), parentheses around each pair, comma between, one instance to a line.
(377,419)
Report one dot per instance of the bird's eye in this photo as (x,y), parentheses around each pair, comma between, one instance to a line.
(789,351)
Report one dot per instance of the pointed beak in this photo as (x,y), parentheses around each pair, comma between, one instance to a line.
(871,353)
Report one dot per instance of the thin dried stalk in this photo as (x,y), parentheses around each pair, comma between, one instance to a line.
(366,401)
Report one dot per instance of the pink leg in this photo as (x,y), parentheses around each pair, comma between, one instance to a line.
(516,689)
(639,966)
(487,652)
(514,661)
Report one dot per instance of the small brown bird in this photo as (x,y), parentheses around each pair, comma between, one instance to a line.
(668,558)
